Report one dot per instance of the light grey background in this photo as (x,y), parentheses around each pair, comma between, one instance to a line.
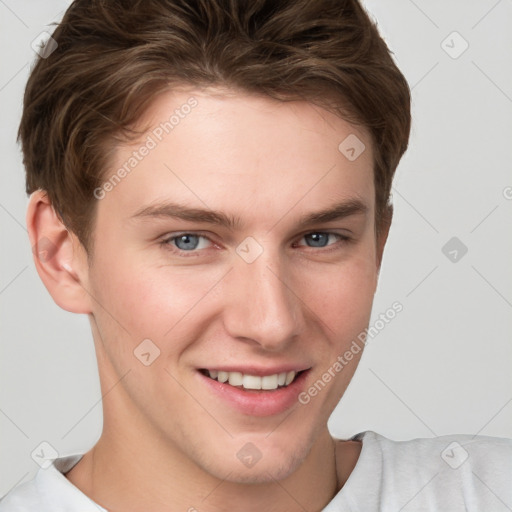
(441,366)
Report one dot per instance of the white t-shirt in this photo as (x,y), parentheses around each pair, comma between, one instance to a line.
(448,473)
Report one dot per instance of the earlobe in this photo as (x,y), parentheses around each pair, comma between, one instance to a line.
(58,262)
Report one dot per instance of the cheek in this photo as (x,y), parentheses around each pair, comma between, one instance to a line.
(342,295)
(140,301)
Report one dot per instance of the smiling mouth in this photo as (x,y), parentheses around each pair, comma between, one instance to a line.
(253,382)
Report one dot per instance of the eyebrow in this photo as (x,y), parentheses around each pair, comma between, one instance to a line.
(170,209)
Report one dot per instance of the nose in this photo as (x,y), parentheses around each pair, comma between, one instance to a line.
(263,305)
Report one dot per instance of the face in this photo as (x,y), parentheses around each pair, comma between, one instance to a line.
(210,265)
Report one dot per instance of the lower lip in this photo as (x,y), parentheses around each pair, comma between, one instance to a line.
(258,402)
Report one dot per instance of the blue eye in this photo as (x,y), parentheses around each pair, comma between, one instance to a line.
(191,244)
(186,242)
(319,239)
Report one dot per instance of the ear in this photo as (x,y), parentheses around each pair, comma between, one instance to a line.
(383,233)
(60,259)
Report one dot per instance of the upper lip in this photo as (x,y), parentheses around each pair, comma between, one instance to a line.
(259,371)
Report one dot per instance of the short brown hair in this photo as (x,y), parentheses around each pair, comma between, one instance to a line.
(114,56)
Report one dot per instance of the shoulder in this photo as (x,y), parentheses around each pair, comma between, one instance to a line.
(454,449)
(49,491)
(22,498)
(449,472)
(459,457)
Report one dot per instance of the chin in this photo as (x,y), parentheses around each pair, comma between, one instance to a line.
(265,466)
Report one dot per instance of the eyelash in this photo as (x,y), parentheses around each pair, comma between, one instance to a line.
(166,243)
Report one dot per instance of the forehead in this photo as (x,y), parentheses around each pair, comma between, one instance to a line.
(241,153)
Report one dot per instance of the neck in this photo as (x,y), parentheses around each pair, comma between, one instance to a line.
(125,473)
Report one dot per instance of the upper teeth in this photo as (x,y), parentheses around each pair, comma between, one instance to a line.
(253,381)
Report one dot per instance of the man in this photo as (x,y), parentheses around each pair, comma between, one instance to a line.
(210,184)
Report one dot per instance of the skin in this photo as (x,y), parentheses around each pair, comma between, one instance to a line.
(168,443)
